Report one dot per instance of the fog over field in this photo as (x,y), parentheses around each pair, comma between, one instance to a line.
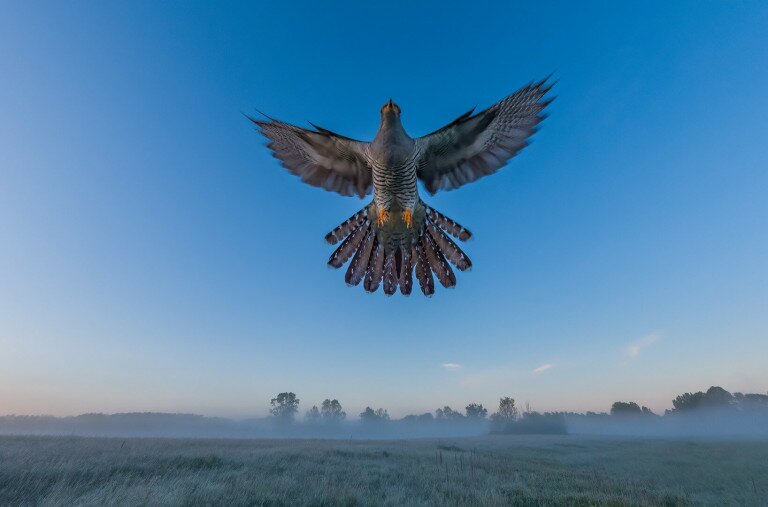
(714,413)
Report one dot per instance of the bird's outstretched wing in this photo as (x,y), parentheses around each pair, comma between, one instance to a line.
(471,147)
(319,157)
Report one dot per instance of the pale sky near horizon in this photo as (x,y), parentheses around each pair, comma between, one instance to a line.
(155,257)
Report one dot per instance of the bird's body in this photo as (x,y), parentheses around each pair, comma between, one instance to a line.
(397,234)
(392,155)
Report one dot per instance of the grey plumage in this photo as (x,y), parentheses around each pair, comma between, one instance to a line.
(471,147)
(397,233)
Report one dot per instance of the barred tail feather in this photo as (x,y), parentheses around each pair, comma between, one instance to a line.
(406,272)
(375,269)
(450,249)
(423,271)
(428,251)
(437,262)
(359,265)
(348,246)
(390,272)
(453,228)
(347,226)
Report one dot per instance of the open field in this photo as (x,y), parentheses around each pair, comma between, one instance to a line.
(500,470)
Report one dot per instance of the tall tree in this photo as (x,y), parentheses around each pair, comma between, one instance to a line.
(284,406)
(506,417)
(331,411)
(507,409)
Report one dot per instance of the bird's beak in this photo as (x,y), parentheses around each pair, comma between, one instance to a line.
(389,104)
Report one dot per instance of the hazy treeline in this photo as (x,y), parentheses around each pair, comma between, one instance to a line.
(715,412)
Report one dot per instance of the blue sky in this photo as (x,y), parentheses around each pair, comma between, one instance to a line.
(155,256)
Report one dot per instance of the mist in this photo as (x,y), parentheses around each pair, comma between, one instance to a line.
(715,413)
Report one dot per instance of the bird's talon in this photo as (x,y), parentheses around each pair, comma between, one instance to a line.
(382,218)
(408,218)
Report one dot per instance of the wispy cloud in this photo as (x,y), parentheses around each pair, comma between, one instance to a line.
(543,368)
(634,349)
(452,366)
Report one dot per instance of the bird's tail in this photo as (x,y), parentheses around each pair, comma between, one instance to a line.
(430,252)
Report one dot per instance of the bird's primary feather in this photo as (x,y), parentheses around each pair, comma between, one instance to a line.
(320,157)
(471,147)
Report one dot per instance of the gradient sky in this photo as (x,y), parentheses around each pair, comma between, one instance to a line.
(154,255)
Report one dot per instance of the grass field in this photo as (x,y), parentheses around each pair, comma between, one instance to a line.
(529,470)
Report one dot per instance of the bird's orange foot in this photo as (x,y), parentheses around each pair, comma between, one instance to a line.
(408,218)
(382,218)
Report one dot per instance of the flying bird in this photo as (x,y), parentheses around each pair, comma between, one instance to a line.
(397,233)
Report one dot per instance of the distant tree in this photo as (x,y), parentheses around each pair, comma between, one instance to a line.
(284,406)
(447,413)
(422,418)
(427,417)
(332,412)
(507,409)
(502,420)
(688,401)
(718,397)
(370,415)
(751,401)
(647,411)
(715,397)
(476,411)
(625,408)
(313,414)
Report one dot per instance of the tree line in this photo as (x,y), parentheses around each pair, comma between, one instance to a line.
(508,418)
(285,406)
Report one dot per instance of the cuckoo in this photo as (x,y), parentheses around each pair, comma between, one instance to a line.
(397,234)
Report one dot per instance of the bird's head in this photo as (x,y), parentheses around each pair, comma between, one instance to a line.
(390,109)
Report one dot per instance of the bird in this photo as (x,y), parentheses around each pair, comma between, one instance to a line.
(397,234)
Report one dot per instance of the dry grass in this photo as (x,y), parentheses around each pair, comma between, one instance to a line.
(564,470)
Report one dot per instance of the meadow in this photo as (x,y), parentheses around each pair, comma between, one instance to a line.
(490,470)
